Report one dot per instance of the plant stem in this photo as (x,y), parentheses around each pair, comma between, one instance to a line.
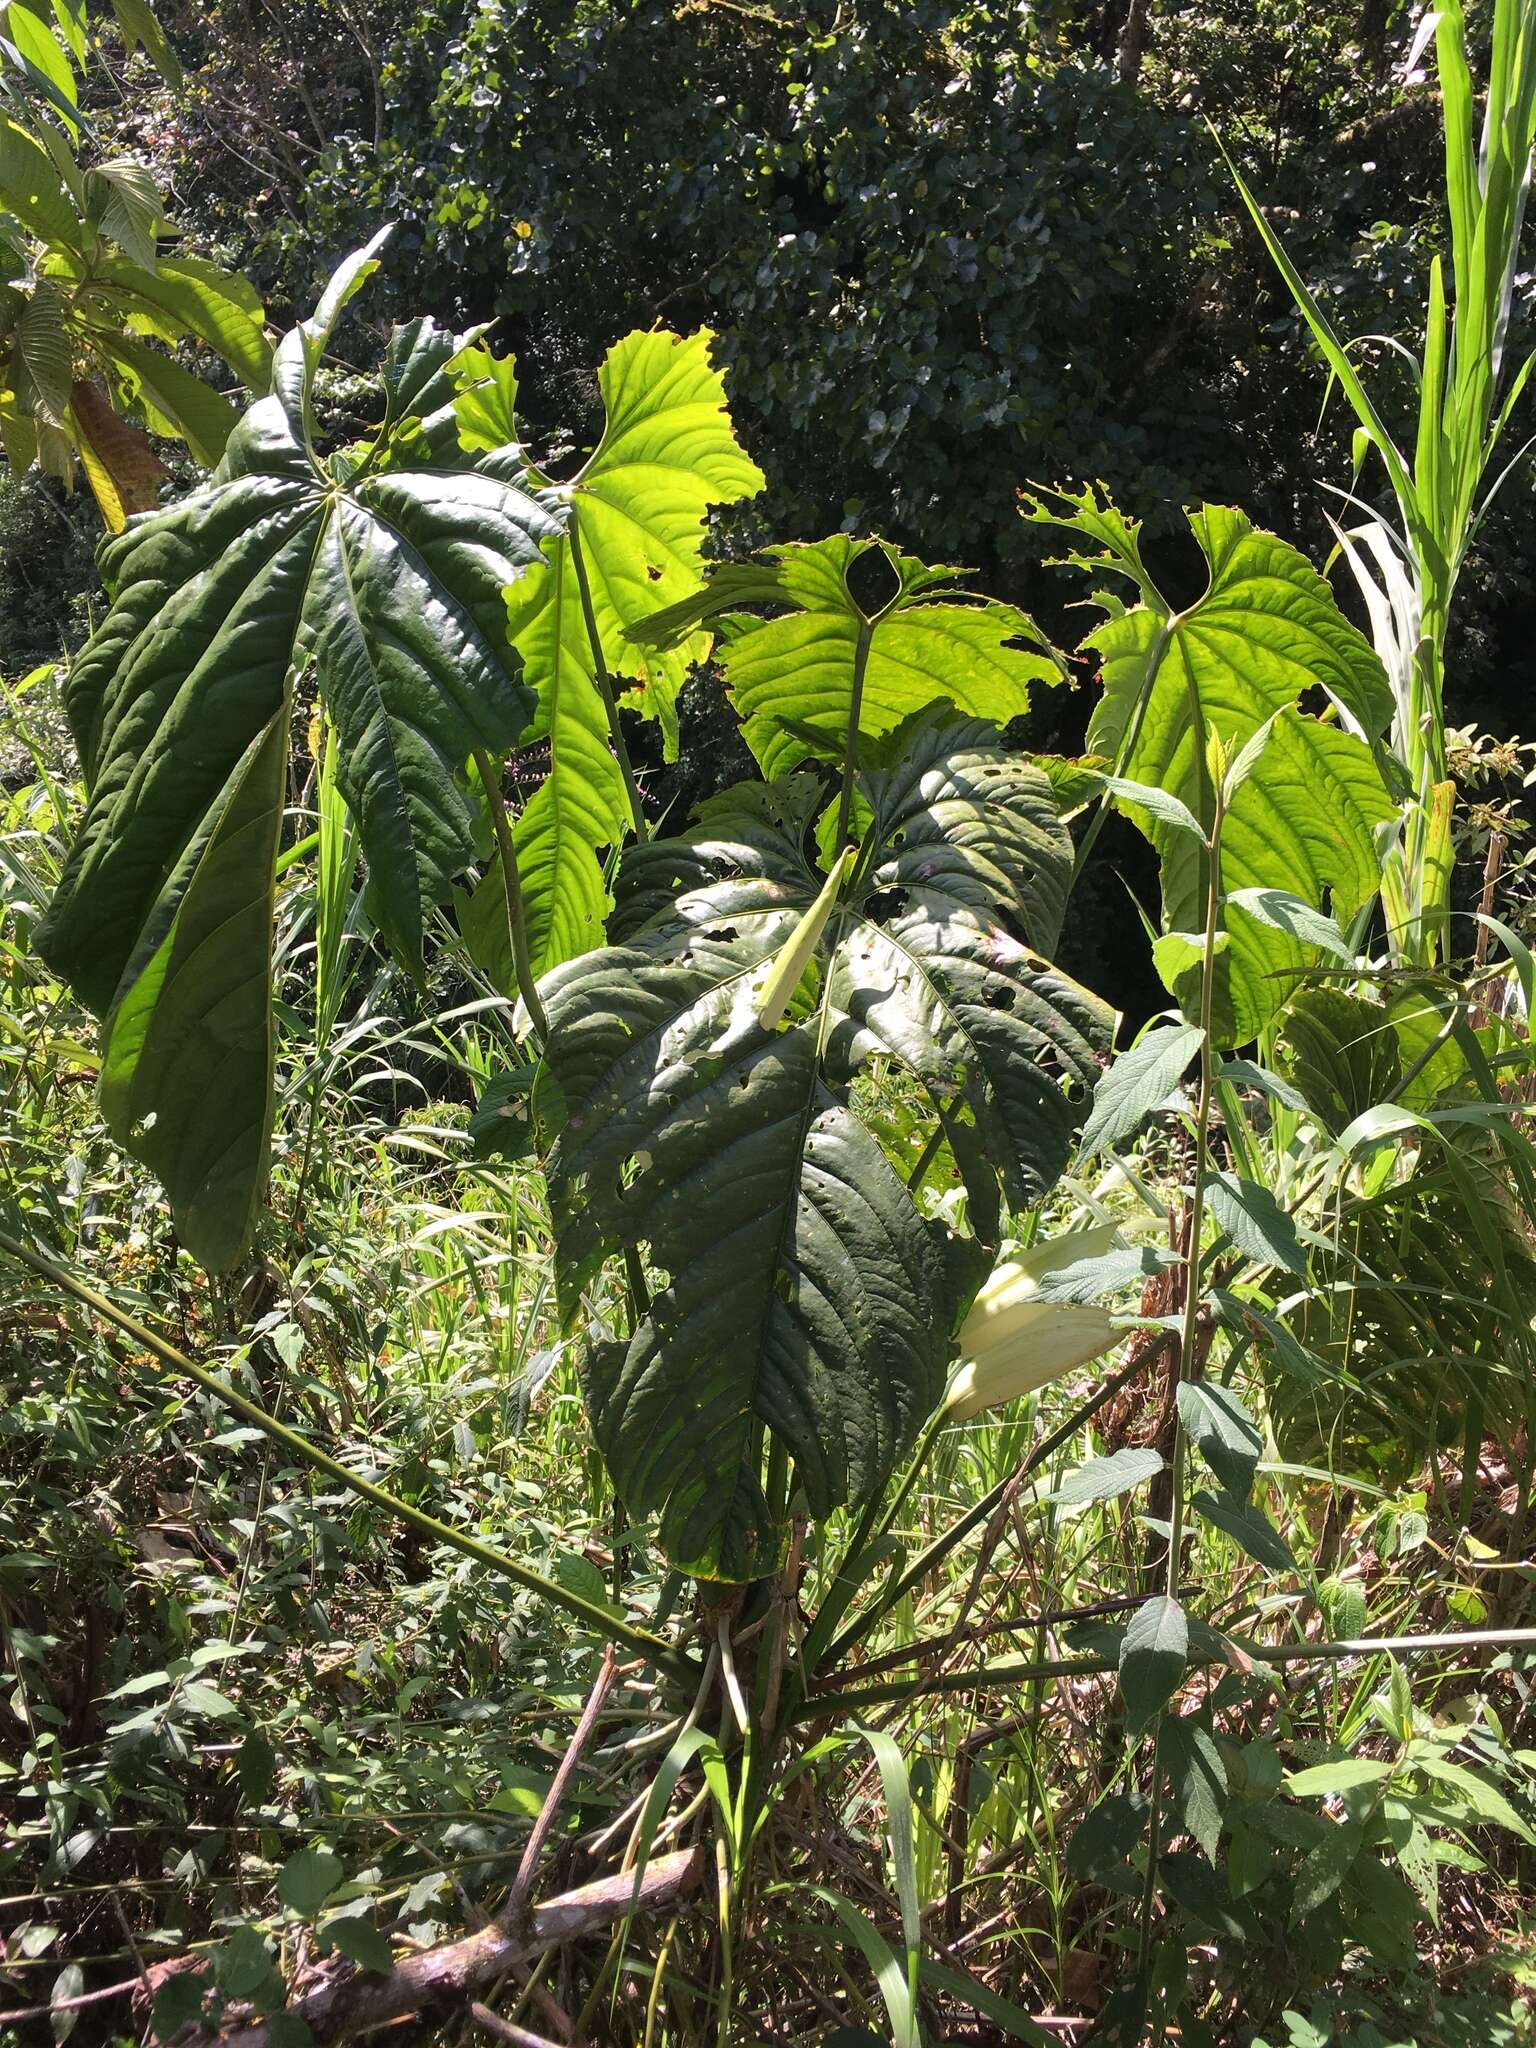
(601,1619)
(979,1512)
(602,679)
(1005,1677)
(512,888)
(1190,1332)
(851,745)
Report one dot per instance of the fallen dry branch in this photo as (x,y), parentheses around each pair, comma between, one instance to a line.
(352,2005)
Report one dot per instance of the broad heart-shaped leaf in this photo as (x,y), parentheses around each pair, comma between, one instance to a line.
(388,580)
(1265,630)
(636,512)
(905,641)
(799,1289)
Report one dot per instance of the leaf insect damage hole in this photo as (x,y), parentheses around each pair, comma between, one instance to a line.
(884,906)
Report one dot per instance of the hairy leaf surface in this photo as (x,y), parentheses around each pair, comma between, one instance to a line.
(799,1290)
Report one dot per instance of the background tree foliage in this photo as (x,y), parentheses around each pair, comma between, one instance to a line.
(946,248)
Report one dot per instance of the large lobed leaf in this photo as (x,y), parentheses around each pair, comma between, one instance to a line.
(908,639)
(637,511)
(388,580)
(718,1146)
(1265,631)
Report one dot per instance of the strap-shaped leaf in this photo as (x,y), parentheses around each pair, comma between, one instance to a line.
(637,513)
(389,580)
(800,1291)
(909,642)
(1265,630)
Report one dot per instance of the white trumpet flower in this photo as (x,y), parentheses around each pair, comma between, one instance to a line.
(1013,1342)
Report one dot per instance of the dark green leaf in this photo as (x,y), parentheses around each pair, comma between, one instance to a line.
(392,585)
(245,1964)
(178,2001)
(1223,1432)
(186,1076)
(360,1941)
(1200,1892)
(502,1125)
(1326,1865)
(257,1768)
(1102,1843)
(307,1880)
(1249,1527)
(1196,1778)
(1256,1223)
(1153,1655)
(717,1145)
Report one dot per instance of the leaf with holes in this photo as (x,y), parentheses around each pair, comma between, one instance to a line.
(865,637)
(390,581)
(715,1145)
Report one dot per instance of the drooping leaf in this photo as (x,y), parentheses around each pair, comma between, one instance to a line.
(122,469)
(388,580)
(1255,1222)
(130,208)
(141,30)
(636,513)
(1248,1526)
(716,1145)
(44,359)
(1196,1778)
(1223,1432)
(1153,1654)
(909,642)
(174,402)
(186,1075)
(185,296)
(1265,630)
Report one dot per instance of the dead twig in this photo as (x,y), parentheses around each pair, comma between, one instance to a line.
(506,2030)
(522,1884)
(452,1974)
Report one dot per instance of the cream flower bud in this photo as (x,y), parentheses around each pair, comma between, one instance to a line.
(1012,1341)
